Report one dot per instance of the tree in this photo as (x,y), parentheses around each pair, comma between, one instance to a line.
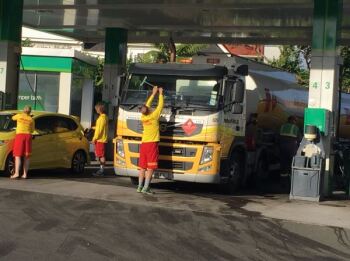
(305,51)
(293,57)
(291,60)
(345,69)
(27,43)
(167,53)
(98,75)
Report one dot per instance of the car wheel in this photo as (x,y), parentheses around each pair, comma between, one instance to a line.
(10,165)
(78,162)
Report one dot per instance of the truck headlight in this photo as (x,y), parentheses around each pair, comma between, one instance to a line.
(120,148)
(3,142)
(207,155)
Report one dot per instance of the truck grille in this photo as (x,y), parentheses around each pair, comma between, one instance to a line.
(168,164)
(166,128)
(167,151)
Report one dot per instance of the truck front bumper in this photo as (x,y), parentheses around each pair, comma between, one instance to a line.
(197,178)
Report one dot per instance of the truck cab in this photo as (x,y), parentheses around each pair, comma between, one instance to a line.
(203,118)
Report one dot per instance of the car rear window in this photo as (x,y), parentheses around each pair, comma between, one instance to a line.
(55,124)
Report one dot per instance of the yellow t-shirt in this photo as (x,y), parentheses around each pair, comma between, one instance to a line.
(150,122)
(101,129)
(25,123)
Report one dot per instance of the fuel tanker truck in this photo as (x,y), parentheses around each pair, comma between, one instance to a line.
(208,111)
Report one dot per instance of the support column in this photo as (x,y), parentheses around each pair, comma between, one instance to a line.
(115,66)
(324,74)
(10,50)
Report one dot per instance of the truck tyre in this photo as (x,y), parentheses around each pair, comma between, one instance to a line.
(262,171)
(260,174)
(235,174)
(134,180)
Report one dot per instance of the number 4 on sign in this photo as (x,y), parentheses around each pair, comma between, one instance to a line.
(314,85)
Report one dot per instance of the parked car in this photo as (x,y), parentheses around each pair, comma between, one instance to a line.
(58,142)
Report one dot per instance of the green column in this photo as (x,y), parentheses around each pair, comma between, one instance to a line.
(115,66)
(326,25)
(115,63)
(324,74)
(10,46)
(11,13)
(116,46)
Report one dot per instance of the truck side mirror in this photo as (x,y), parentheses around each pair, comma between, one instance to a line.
(236,109)
(238,92)
(221,102)
(242,69)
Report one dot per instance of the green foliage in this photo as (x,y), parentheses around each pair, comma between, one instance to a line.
(98,74)
(163,53)
(189,50)
(345,70)
(291,60)
(27,43)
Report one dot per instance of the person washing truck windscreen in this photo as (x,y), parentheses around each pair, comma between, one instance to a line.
(22,146)
(149,153)
(100,137)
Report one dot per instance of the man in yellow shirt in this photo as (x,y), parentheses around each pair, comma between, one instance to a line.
(100,137)
(149,152)
(23,141)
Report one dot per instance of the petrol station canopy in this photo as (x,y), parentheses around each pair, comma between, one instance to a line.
(191,21)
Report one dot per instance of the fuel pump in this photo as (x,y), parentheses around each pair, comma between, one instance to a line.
(308,166)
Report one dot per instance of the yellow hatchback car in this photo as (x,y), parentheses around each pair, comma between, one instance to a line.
(58,142)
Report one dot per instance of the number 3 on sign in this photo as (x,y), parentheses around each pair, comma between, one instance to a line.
(327,85)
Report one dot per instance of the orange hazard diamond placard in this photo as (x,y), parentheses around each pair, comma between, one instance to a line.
(189,127)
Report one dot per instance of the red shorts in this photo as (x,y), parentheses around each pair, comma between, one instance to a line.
(22,146)
(100,149)
(149,154)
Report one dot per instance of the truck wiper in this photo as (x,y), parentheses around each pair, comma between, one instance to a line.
(132,106)
(199,107)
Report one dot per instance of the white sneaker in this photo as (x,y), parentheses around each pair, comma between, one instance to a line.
(98,173)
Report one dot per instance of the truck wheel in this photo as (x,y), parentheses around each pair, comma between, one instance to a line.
(134,180)
(261,173)
(262,169)
(235,174)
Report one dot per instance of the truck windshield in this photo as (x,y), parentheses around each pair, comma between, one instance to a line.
(6,123)
(178,91)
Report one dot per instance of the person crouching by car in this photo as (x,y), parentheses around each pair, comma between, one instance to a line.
(22,147)
(100,138)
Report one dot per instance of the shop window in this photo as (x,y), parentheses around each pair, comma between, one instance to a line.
(76,96)
(40,90)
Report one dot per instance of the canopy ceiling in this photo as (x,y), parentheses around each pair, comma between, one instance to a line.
(191,21)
